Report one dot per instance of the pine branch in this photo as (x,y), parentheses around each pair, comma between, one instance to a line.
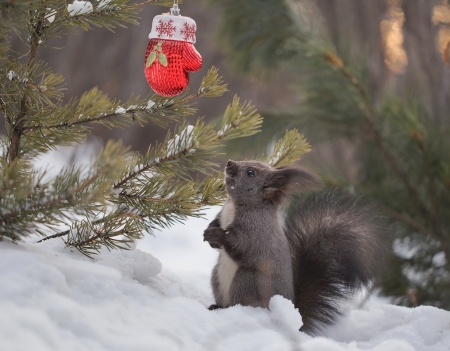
(26,83)
(365,104)
(143,214)
(238,121)
(104,231)
(26,201)
(288,149)
(67,232)
(107,15)
(39,206)
(20,119)
(340,66)
(211,86)
(87,237)
(159,198)
(372,131)
(66,125)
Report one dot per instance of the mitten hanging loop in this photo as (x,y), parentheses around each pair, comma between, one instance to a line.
(175,11)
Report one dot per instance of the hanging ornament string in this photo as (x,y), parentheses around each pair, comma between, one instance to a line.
(171,54)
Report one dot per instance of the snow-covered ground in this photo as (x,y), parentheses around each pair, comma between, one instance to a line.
(155,297)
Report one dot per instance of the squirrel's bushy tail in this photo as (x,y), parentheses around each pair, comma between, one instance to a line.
(336,249)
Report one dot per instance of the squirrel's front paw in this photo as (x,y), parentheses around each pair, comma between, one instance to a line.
(215,237)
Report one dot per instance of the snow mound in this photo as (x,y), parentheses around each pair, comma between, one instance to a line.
(53,298)
(79,8)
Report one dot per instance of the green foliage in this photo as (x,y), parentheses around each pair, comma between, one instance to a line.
(239,119)
(288,149)
(156,189)
(122,194)
(255,51)
(401,152)
(27,201)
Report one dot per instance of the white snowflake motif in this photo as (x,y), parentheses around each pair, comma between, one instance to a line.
(165,28)
(188,31)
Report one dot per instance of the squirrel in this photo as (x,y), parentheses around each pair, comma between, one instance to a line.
(315,250)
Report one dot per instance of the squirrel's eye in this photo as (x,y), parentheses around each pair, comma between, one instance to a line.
(251,173)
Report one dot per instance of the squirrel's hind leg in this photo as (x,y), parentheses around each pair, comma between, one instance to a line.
(251,288)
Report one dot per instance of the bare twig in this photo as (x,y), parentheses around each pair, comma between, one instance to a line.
(58,235)
(189,98)
(66,232)
(149,198)
(413,298)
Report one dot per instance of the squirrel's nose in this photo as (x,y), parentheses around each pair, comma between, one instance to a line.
(231,168)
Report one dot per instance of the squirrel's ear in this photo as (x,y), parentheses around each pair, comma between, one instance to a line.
(289,179)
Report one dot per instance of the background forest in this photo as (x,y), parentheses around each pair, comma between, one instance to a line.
(367,82)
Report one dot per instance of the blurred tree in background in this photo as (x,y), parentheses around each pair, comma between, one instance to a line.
(372,76)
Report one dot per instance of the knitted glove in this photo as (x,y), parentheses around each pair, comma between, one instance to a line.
(171,54)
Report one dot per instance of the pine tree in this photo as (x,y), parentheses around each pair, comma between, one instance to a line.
(401,150)
(122,194)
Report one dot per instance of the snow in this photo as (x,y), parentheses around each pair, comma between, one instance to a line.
(120,110)
(103,3)
(225,129)
(155,297)
(11,75)
(180,142)
(50,15)
(276,158)
(79,8)
(439,259)
(150,104)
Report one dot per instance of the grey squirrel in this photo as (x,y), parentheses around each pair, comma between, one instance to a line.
(316,251)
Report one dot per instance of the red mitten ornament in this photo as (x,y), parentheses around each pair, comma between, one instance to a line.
(171,54)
